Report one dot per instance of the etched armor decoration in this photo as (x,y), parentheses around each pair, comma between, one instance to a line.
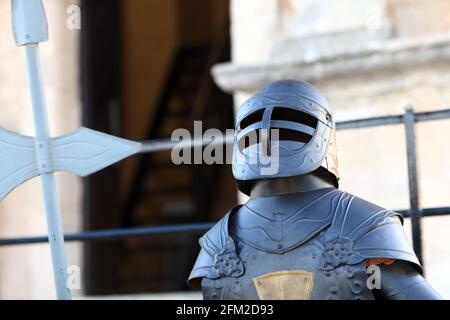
(298,236)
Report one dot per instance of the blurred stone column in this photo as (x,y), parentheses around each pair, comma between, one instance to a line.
(25,271)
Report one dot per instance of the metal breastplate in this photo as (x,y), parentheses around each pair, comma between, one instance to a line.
(307,277)
(309,245)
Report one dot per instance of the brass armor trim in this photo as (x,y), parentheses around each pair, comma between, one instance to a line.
(285,285)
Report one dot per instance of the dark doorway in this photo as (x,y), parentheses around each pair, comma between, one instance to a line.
(145,68)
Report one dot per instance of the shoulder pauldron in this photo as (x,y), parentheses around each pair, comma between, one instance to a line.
(361,230)
(218,257)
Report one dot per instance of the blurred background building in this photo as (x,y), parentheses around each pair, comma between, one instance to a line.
(142,68)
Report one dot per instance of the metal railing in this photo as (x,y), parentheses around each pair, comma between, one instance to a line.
(408,119)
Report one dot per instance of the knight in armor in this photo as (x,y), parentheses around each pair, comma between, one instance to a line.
(299,236)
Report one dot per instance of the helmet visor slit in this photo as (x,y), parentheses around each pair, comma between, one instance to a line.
(292,115)
(254,137)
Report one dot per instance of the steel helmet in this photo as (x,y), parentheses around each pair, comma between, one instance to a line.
(303,142)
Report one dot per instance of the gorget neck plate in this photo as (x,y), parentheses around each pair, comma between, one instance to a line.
(279,224)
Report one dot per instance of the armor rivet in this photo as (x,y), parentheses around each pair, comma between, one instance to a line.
(357,287)
(279,246)
(218,285)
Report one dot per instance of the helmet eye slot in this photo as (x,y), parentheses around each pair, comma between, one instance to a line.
(252,119)
(254,137)
(293,135)
(292,115)
(292,125)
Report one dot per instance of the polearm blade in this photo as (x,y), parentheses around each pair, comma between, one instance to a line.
(30,28)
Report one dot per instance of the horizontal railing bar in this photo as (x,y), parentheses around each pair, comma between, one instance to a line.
(369,122)
(430,212)
(432,115)
(168,145)
(392,120)
(115,234)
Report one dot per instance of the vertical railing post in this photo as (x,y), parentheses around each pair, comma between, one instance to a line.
(410,132)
